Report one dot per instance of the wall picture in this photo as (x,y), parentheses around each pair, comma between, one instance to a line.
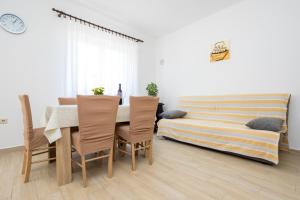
(220,51)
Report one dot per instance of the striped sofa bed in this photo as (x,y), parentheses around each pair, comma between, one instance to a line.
(218,122)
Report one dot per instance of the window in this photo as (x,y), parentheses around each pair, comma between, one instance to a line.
(96,58)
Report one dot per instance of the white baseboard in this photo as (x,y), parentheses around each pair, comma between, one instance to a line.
(14,148)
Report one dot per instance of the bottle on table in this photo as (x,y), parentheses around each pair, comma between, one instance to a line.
(120,94)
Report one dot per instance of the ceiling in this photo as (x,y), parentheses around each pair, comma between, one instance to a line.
(157,17)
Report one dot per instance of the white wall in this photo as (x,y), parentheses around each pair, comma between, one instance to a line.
(265,41)
(34,62)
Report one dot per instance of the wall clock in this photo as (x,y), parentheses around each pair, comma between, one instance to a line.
(12,23)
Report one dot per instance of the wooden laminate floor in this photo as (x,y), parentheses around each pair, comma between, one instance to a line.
(179,171)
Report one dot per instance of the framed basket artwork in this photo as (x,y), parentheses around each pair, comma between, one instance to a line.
(220,51)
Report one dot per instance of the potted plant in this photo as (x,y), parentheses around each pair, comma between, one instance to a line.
(152,89)
(98,91)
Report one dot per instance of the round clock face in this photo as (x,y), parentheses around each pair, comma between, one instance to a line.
(12,23)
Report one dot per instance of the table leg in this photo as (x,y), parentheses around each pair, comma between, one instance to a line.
(63,158)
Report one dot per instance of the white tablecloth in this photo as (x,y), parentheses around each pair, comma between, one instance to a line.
(56,117)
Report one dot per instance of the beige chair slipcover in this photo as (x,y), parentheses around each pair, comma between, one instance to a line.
(97,120)
(34,138)
(140,130)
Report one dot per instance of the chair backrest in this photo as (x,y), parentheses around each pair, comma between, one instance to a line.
(142,114)
(27,119)
(67,101)
(238,108)
(97,121)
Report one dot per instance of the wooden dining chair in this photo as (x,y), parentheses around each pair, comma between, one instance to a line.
(97,120)
(67,101)
(35,142)
(139,132)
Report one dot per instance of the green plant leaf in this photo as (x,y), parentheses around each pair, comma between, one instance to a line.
(152,89)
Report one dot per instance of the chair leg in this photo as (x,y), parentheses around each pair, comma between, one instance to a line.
(123,147)
(27,165)
(110,163)
(83,168)
(24,162)
(150,152)
(146,149)
(72,164)
(115,150)
(133,167)
(137,152)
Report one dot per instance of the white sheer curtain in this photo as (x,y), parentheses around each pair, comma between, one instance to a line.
(96,58)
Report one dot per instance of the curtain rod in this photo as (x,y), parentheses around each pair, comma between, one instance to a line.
(61,13)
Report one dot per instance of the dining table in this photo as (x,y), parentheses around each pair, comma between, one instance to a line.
(58,121)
